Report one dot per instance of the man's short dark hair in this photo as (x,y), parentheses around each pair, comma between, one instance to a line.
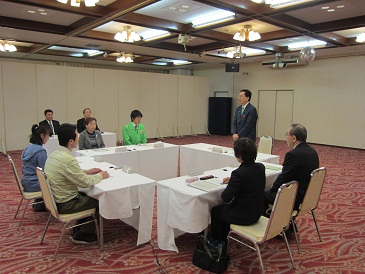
(47,110)
(299,131)
(136,113)
(248,93)
(66,132)
(245,149)
(85,110)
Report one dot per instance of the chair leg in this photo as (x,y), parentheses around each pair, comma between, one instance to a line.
(59,242)
(45,229)
(289,251)
(16,213)
(315,222)
(296,235)
(259,254)
(97,229)
(25,209)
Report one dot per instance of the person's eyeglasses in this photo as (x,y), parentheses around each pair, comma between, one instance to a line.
(287,134)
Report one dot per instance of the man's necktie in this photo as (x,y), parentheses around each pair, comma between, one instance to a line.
(243,109)
(50,124)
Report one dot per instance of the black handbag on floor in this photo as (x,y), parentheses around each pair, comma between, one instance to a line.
(211,259)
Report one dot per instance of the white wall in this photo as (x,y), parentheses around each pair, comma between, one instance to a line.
(329,95)
(166,101)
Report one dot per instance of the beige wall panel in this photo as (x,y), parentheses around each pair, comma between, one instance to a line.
(329,96)
(52,91)
(80,92)
(129,96)
(168,104)
(284,113)
(150,102)
(20,102)
(266,112)
(2,112)
(106,94)
(185,98)
(201,102)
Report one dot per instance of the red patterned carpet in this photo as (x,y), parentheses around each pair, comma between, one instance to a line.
(341,217)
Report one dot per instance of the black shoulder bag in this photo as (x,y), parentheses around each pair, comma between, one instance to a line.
(213,260)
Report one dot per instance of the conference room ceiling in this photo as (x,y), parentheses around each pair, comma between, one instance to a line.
(53,31)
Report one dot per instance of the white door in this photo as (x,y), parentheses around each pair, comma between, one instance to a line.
(275,111)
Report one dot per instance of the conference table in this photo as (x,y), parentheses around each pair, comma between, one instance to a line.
(129,197)
(182,208)
(109,138)
(201,157)
(158,160)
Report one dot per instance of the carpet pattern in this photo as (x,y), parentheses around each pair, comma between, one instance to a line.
(341,218)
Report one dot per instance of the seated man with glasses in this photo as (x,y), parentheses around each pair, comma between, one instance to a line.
(298,164)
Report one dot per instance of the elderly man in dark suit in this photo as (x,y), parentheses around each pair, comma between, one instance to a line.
(298,164)
(53,125)
(81,122)
(245,118)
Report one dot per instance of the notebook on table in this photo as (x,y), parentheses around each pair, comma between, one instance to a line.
(206,185)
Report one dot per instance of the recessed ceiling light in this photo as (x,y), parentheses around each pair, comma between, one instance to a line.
(325,8)
(40,10)
(331,10)
(340,7)
(181,10)
(31,11)
(172,8)
(43,13)
(185,6)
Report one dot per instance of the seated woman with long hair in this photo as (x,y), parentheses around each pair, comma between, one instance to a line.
(90,138)
(34,155)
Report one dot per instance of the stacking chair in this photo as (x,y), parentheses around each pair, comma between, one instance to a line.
(63,218)
(25,195)
(310,201)
(265,229)
(265,144)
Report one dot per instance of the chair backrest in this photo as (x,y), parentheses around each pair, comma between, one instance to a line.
(314,190)
(47,192)
(282,209)
(265,145)
(18,182)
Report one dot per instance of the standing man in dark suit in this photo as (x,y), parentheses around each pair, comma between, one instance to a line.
(298,164)
(81,122)
(53,125)
(245,117)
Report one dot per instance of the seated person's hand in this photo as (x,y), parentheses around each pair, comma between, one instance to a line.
(105,174)
(93,171)
(226,180)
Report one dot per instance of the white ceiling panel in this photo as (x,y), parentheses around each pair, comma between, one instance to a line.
(179,11)
(32,13)
(342,10)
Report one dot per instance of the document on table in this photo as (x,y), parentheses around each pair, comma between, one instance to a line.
(206,185)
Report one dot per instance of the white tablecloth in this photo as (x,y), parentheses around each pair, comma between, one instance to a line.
(110,140)
(200,155)
(181,208)
(129,197)
(155,163)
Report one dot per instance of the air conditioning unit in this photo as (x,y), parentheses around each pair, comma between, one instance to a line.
(279,62)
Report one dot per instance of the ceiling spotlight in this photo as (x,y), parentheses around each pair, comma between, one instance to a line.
(106,54)
(76,3)
(127,35)
(247,33)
